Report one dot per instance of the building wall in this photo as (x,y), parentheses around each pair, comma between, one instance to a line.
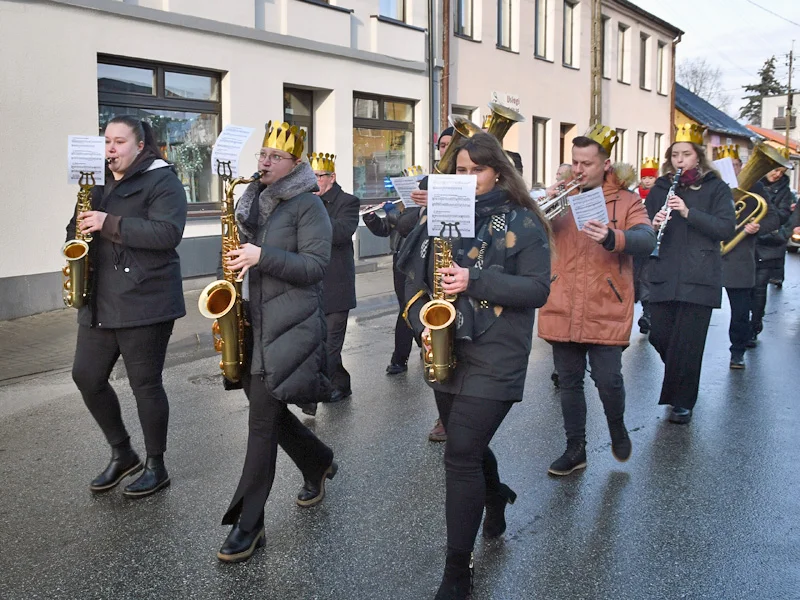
(547,89)
(769,112)
(48,90)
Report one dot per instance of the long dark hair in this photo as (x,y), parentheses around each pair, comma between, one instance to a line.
(143,132)
(485,150)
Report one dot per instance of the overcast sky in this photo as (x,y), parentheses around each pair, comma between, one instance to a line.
(735,35)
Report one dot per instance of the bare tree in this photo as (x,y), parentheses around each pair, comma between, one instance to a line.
(704,80)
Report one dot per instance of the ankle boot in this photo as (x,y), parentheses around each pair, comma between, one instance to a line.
(313,490)
(240,544)
(494,522)
(457,580)
(154,478)
(124,462)
(620,442)
(574,458)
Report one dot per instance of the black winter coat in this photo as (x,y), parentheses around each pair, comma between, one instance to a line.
(286,316)
(739,265)
(771,243)
(136,272)
(395,225)
(689,266)
(339,284)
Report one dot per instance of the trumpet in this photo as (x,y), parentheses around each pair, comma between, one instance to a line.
(557,205)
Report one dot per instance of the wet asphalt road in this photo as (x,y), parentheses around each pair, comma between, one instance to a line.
(708,510)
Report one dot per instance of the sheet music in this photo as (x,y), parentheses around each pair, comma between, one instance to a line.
(451,202)
(86,153)
(588,206)
(229,146)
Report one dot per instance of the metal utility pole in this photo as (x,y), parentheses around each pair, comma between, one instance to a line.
(596,99)
(789,102)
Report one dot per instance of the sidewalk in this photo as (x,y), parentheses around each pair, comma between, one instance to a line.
(46,342)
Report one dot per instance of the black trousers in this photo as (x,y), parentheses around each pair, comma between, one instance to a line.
(271,424)
(764,271)
(739,331)
(606,372)
(779,270)
(678,332)
(641,285)
(470,466)
(403,335)
(143,349)
(337,327)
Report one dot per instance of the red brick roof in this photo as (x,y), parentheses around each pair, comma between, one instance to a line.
(775,136)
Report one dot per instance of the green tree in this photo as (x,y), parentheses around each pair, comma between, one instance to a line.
(767,86)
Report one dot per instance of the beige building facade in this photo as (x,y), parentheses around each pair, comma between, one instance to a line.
(774,114)
(536,55)
(353,73)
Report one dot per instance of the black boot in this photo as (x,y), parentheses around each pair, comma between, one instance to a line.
(574,458)
(494,522)
(124,462)
(457,581)
(313,490)
(620,442)
(309,408)
(644,320)
(154,478)
(240,544)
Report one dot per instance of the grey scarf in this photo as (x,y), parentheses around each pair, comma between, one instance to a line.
(300,179)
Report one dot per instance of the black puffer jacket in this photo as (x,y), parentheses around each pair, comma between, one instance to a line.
(339,285)
(285,289)
(771,243)
(689,266)
(136,272)
(739,265)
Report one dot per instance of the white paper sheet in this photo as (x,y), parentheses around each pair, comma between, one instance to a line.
(590,205)
(229,146)
(725,168)
(86,153)
(404,186)
(451,203)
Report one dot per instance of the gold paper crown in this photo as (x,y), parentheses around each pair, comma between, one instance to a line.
(650,163)
(730,151)
(605,136)
(322,162)
(413,171)
(784,152)
(487,120)
(282,136)
(690,132)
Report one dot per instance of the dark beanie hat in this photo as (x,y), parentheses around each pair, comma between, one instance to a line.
(449,131)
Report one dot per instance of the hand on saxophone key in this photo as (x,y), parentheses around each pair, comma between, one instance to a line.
(243,258)
(677,204)
(455,279)
(91,220)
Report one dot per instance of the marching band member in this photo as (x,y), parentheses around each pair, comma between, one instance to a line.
(501,277)
(686,278)
(136,294)
(739,268)
(771,244)
(286,236)
(647,179)
(590,309)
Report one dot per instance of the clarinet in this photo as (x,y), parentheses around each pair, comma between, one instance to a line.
(668,210)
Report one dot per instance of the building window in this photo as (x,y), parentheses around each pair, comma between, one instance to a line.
(605,47)
(183,106)
(504,24)
(623,54)
(540,151)
(540,47)
(569,49)
(641,141)
(464,18)
(394,9)
(619,148)
(298,109)
(383,144)
(644,61)
(662,68)
(657,146)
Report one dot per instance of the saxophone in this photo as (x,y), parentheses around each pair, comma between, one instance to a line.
(221,300)
(439,316)
(76,250)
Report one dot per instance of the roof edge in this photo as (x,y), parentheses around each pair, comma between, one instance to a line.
(647,15)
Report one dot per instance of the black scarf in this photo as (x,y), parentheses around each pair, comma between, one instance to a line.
(487,250)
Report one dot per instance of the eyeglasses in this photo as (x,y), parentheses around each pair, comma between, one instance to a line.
(321,175)
(272,158)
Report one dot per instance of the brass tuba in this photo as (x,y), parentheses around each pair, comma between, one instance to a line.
(464,129)
(750,207)
(222,299)
(76,250)
(501,120)
(439,315)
